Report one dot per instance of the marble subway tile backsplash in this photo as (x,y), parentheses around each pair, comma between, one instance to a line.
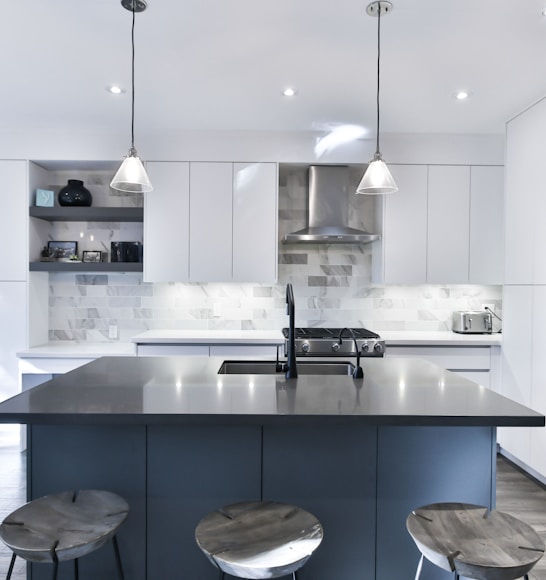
(83,307)
(332,287)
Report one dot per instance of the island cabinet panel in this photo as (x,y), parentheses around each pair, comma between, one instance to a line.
(421,465)
(193,470)
(331,473)
(166,223)
(112,457)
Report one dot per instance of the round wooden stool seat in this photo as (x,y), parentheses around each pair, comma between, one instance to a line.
(64,526)
(475,542)
(259,539)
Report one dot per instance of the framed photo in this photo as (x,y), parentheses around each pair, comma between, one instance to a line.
(45,198)
(62,251)
(91,256)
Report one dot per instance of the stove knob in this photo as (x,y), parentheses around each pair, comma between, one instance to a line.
(335,346)
(365,347)
(378,347)
(305,347)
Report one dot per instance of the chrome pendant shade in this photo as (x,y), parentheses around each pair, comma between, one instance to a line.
(131,177)
(377,178)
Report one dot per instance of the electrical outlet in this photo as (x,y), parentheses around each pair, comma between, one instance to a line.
(216,309)
(490,307)
(112,331)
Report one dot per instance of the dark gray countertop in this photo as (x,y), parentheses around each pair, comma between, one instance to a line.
(188,390)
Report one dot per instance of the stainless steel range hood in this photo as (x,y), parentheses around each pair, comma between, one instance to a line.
(328,209)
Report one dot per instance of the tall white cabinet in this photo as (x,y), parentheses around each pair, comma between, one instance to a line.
(218,218)
(524,300)
(13,272)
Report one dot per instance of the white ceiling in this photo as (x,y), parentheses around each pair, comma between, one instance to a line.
(222,64)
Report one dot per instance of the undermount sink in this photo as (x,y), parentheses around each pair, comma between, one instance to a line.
(266,367)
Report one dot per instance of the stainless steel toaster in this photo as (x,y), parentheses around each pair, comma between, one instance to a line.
(472,322)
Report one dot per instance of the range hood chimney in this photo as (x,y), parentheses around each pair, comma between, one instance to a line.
(328,209)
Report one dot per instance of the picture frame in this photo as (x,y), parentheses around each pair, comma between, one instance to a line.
(45,198)
(62,251)
(91,256)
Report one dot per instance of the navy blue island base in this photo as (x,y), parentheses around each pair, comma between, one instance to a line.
(177,442)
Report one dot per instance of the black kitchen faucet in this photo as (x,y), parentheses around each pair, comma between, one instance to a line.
(291,368)
(358,373)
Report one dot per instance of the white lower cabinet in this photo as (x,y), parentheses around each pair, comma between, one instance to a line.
(224,350)
(518,365)
(211,222)
(472,362)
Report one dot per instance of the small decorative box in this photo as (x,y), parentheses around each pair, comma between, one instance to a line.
(45,198)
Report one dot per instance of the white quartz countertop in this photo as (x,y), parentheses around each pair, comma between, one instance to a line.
(66,349)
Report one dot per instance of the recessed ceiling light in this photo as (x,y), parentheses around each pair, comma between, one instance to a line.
(462,95)
(115,89)
(289,92)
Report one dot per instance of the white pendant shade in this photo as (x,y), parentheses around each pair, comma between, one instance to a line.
(377,179)
(131,177)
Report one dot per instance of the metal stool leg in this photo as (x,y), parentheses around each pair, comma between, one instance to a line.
(118,557)
(55,569)
(76,569)
(419,568)
(10,570)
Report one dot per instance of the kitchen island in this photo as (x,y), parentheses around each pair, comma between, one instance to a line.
(176,439)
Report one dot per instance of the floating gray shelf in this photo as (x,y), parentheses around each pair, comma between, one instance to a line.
(85,267)
(88,214)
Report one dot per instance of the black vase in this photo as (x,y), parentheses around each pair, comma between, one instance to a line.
(74,193)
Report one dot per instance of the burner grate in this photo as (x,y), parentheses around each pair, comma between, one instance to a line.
(329,333)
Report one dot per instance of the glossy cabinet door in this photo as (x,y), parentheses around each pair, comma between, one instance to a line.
(14,178)
(405,227)
(255,222)
(517,315)
(448,224)
(524,183)
(211,222)
(166,223)
(486,225)
(538,382)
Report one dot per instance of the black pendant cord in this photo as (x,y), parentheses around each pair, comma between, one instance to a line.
(133,81)
(378,60)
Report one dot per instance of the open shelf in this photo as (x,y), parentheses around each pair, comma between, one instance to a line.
(85,267)
(88,214)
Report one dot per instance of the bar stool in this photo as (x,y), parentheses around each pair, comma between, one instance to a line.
(64,526)
(258,540)
(474,542)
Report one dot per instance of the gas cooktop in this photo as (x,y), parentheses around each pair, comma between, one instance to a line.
(326,342)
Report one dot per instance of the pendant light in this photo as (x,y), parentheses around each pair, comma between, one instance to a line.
(378,178)
(131,177)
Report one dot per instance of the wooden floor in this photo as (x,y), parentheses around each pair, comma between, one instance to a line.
(516,494)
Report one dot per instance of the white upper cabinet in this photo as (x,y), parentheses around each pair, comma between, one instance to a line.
(211,222)
(444,225)
(255,211)
(14,213)
(524,178)
(166,223)
(486,225)
(448,224)
(404,240)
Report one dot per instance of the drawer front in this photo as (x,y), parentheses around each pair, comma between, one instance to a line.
(172,350)
(448,357)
